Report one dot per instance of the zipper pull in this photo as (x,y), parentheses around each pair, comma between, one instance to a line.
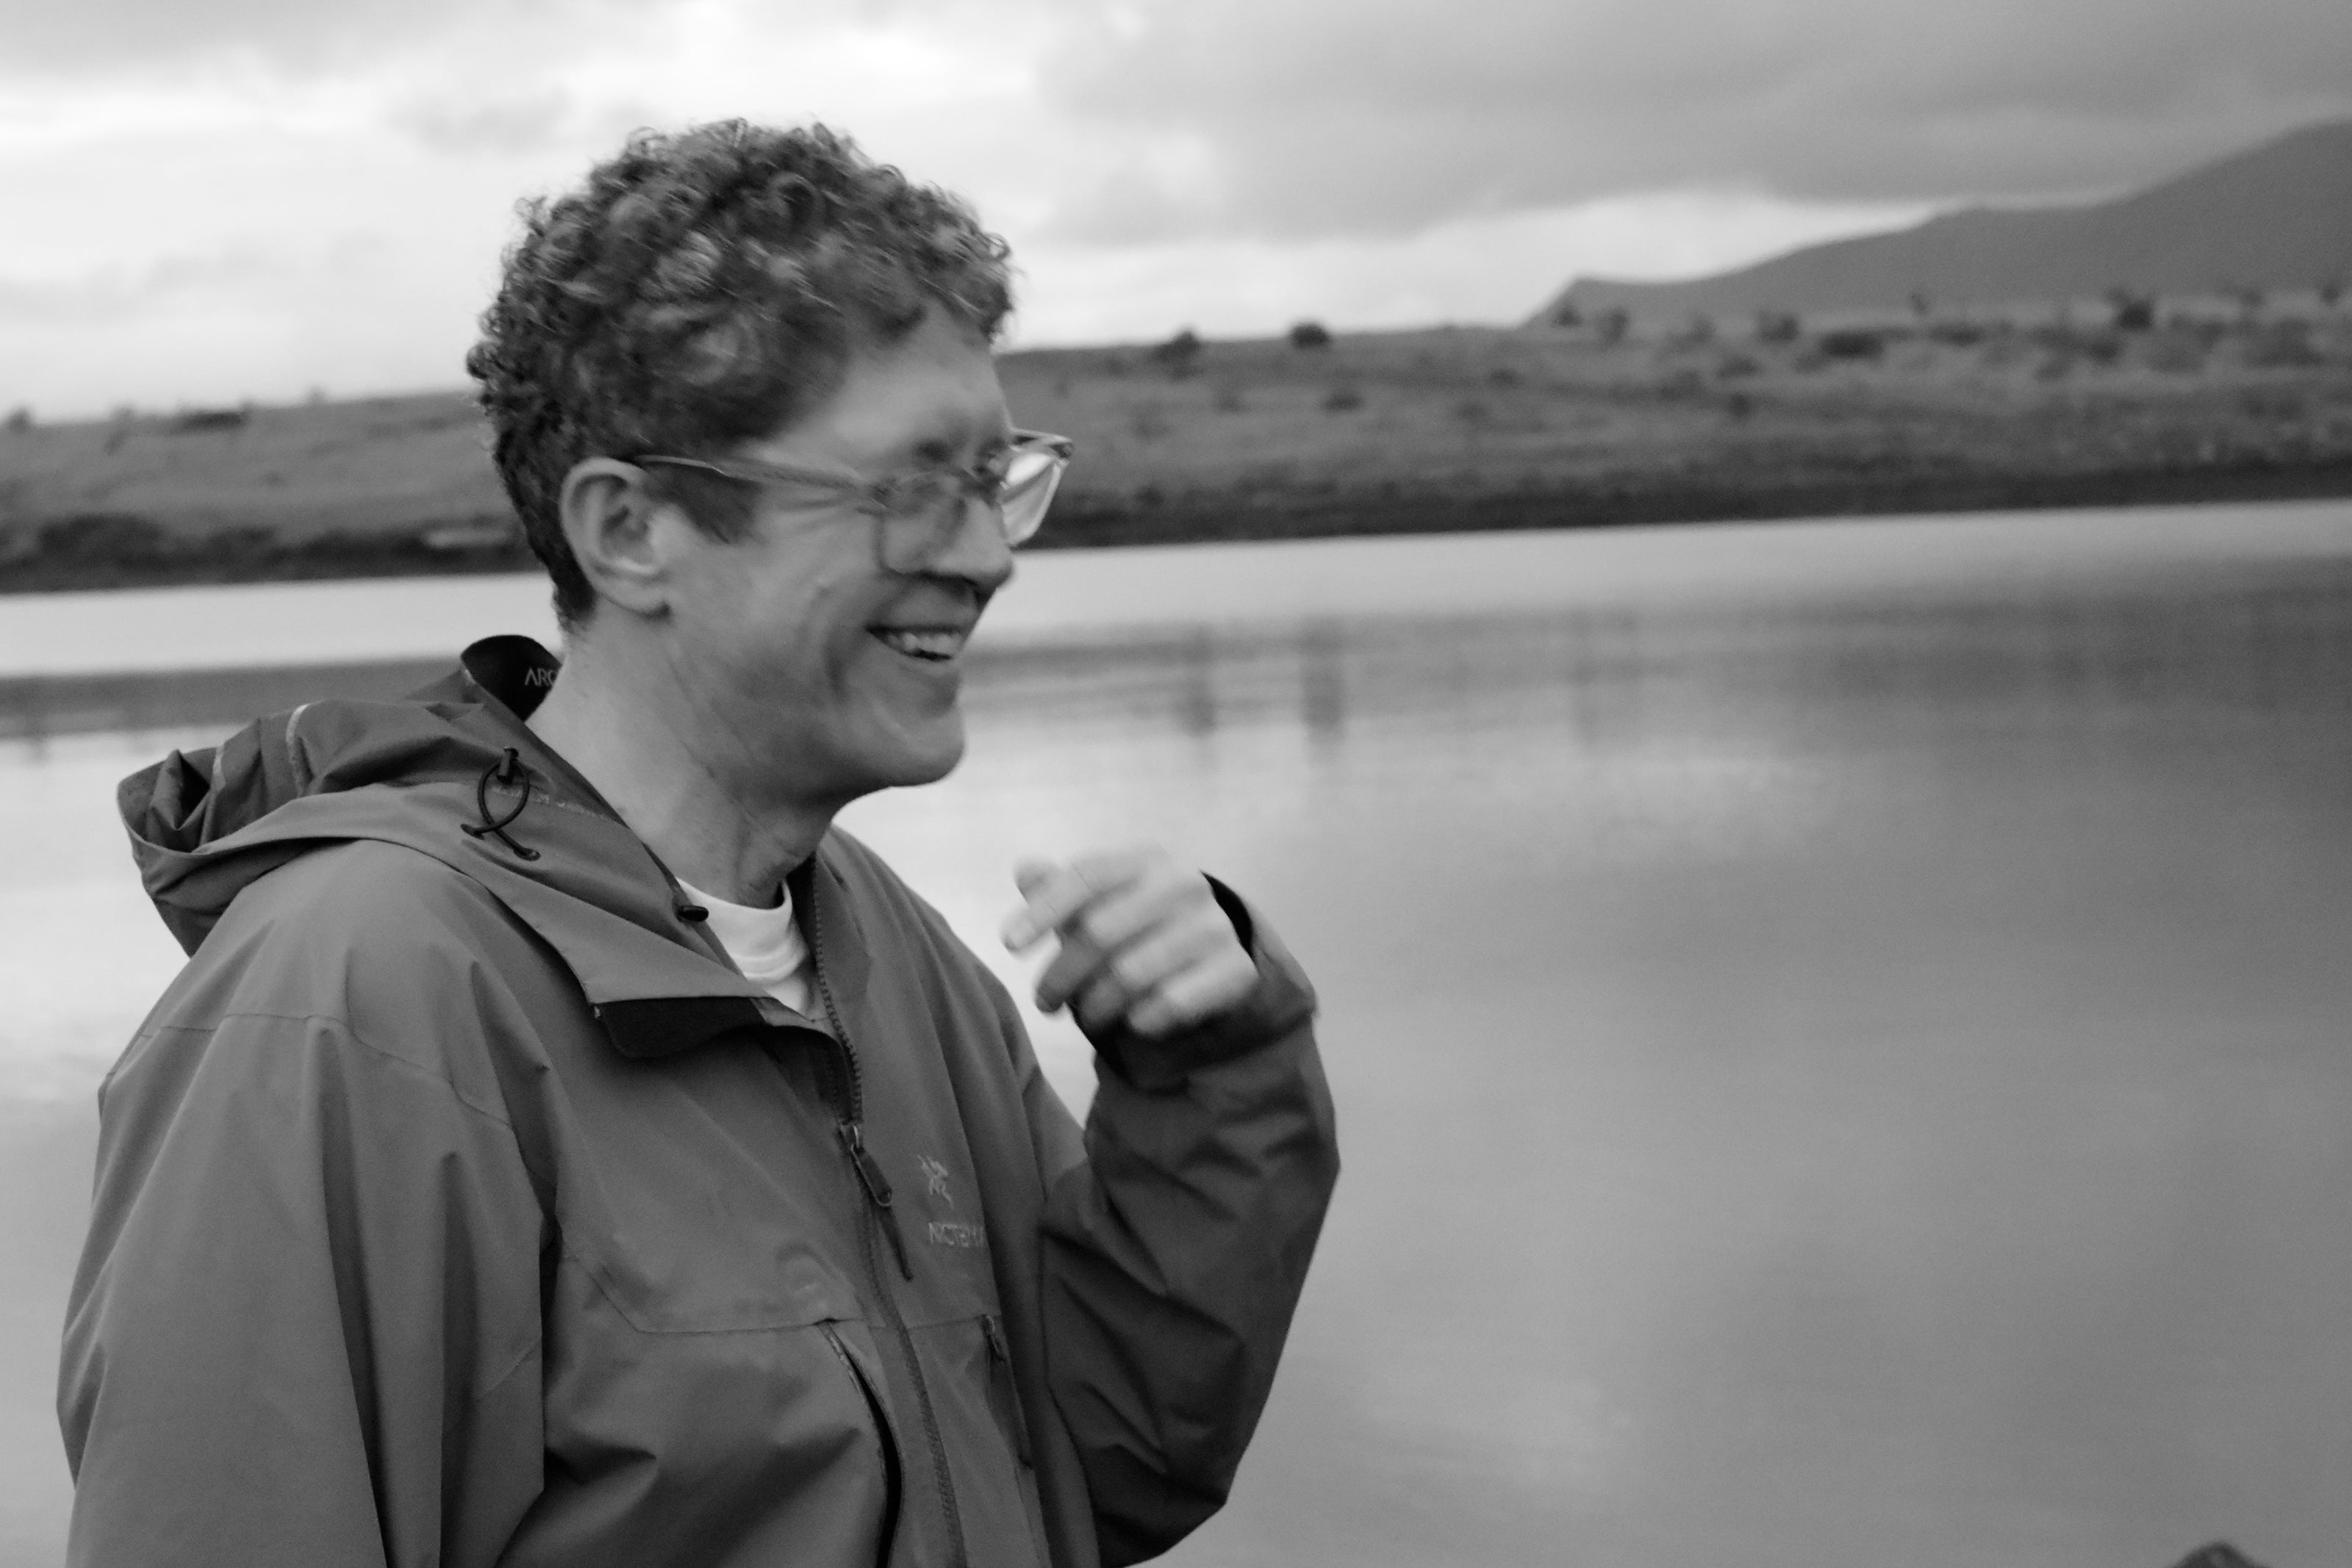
(877,1190)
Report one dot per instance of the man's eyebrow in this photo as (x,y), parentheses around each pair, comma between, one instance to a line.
(940,451)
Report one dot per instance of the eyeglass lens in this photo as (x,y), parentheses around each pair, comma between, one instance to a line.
(929,515)
(1030,480)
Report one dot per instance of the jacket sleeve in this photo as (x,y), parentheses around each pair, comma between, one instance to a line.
(305,1328)
(1173,1254)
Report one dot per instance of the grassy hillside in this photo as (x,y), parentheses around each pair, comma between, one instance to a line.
(1380,432)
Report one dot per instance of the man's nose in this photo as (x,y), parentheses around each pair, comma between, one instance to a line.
(976,552)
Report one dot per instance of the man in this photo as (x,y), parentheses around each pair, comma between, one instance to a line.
(564,1146)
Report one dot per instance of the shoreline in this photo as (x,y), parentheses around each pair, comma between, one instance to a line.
(160,659)
(1083,521)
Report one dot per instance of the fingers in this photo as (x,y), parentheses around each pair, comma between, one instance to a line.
(1147,965)
(1142,939)
(1198,994)
(1101,938)
(1052,892)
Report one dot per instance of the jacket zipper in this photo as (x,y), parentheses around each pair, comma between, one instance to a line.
(877,1186)
(881,1216)
(1004,1391)
(1000,1376)
(892,1481)
(849,1129)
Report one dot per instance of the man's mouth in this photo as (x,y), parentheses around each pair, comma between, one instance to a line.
(933,644)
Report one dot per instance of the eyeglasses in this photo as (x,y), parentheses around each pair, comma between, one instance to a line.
(921,511)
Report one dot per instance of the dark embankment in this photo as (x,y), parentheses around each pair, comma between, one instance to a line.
(1433,431)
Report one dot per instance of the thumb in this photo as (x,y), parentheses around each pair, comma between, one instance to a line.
(1031,873)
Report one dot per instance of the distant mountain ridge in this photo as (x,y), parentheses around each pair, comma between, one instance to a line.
(2277,216)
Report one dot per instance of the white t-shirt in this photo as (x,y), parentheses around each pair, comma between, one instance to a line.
(765,944)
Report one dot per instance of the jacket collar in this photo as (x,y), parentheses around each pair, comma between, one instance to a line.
(427,773)
(651,1014)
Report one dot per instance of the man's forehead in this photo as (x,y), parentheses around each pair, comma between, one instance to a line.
(933,395)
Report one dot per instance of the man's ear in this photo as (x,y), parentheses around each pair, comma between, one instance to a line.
(613,528)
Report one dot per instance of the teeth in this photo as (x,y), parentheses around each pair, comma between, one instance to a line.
(923,644)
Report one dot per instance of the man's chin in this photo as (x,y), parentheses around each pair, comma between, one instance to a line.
(922,758)
(930,774)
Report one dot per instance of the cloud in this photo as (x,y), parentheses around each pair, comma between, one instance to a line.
(105,36)
(110,37)
(1154,162)
(351,309)
(551,119)
(1372,116)
(111,294)
(1491,268)
(459,126)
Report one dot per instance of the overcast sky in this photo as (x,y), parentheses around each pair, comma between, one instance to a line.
(211,200)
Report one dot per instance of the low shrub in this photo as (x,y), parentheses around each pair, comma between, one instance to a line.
(2131,312)
(195,421)
(2271,404)
(104,539)
(2099,348)
(2282,346)
(1179,356)
(1851,343)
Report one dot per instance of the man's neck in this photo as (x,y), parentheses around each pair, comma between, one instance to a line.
(693,811)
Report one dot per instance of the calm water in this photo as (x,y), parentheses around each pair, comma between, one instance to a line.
(1840,1032)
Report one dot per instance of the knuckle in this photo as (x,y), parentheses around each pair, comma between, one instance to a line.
(1217,948)
(1107,867)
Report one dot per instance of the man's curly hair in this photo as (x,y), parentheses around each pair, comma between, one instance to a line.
(699,289)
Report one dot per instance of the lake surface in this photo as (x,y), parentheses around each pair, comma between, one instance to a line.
(1840,1030)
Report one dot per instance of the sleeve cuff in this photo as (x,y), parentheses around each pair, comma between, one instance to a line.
(1281,1002)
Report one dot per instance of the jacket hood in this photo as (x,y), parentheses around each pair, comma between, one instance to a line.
(455,773)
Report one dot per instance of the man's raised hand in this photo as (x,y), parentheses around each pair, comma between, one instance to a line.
(1142,941)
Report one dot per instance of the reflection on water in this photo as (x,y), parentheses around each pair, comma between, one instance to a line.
(1839,1081)
(1826,1078)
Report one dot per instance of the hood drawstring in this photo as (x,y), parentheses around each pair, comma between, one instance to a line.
(502,771)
